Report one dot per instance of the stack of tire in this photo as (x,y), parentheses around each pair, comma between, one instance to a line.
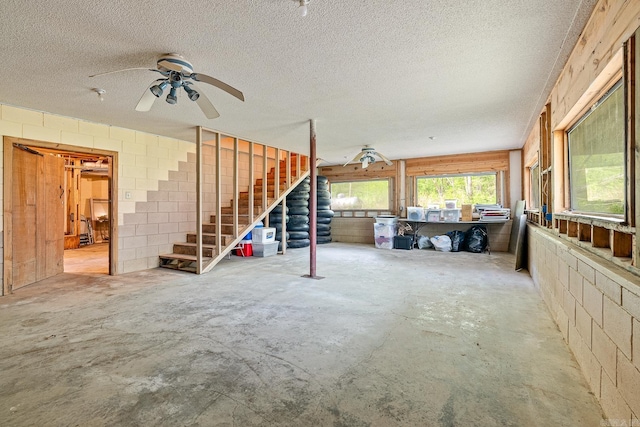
(298,225)
(323,211)
(275,220)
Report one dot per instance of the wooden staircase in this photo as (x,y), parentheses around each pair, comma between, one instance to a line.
(184,255)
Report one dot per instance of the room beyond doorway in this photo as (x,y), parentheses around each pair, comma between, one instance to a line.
(59,212)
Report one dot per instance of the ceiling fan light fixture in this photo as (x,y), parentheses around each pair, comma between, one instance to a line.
(303,7)
(171,98)
(192,94)
(100,93)
(158,89)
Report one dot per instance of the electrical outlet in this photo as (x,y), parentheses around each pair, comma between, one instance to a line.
(127,194)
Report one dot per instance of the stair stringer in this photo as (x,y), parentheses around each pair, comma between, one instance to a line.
(224,252)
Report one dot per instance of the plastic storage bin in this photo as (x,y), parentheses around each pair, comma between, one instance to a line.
(451,215)
(383,235)
(403,242)
(265,249)
(263,235)
(415,213)
(433,215)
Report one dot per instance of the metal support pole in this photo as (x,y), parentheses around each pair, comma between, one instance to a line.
(313,201)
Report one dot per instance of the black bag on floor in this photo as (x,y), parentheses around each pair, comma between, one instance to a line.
(477,239)
(457,240)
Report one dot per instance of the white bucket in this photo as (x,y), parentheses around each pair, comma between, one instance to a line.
(387,219)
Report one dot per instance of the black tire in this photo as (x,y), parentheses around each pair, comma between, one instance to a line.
(278,210)
(323,227)
(322,179)
(323,194)
(323,233)
(294,244)
(321,240)
(324,200)
(326,214)
(298,219)
(323,208)
(277,226)
(277,218)
(279,236)
(322,187)
(296,195)
(307,180)
(323,220)
(303,187)
(297,203)
(298,227)
(298,235)
(297,210)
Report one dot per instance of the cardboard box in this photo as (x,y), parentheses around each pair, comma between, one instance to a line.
(467,212)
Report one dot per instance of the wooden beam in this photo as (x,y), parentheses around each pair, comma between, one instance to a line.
(236,187)
(218,194)
(199,200)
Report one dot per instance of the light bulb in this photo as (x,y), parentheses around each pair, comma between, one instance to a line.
(303,9)
(100,93)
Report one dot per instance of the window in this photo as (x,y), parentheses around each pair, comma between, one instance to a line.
(466,189)
(534,191)
(597,159)
(373,195)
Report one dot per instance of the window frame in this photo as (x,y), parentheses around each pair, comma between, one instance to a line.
(499,182)
(390,194)
(618,82)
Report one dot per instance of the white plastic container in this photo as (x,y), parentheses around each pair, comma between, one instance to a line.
(263,235)
(451,215)
(433,215)
(387,219)
(415,213)
(450,203)
(383,235)
(265,249)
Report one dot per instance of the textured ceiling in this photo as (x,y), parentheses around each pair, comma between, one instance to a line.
(474,74)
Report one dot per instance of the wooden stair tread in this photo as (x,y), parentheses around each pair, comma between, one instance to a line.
(183,257)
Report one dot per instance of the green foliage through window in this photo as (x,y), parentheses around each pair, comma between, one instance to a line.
(372,195)
(596,157)
(465,189)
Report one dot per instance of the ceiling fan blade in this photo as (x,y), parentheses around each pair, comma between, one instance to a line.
(120,71)
(147,99)
(206,106)
(356,158)
(217,83)
(387,161)
(365,162)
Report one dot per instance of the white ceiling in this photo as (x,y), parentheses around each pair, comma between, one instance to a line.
(474,74)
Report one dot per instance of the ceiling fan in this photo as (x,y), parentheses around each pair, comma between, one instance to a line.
(367,157)
(178,73)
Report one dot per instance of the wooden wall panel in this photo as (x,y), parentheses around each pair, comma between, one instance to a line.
(491,161)
(354,172)
(612,22)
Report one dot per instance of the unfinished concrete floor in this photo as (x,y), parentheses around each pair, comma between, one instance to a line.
(388,338)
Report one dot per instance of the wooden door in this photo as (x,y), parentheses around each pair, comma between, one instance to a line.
(25,208)
(54,211)
(37,217)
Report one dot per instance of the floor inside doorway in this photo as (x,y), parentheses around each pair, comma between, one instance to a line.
(88,259)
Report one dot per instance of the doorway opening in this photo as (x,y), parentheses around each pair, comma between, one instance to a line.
(59,211)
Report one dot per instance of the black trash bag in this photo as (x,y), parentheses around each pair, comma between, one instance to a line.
(457,240)
(477,239)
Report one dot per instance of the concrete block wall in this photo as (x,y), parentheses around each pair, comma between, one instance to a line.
(597,308)
(144,160)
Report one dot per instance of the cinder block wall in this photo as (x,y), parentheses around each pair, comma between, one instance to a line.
(597,308)
(144,160)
